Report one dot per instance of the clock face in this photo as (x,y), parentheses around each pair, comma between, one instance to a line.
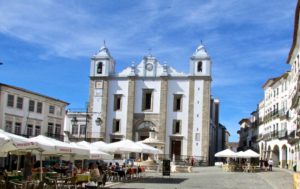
(149,67)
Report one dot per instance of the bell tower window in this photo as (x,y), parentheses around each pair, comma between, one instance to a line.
(99,68)
(199,66)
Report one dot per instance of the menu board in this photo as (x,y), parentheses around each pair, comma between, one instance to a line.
(166,168)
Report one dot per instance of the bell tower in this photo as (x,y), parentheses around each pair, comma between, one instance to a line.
(200,62)
(102,63)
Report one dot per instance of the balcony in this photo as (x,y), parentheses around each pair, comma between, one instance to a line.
(80,137)
(283,114)
(282,134)
(292,139)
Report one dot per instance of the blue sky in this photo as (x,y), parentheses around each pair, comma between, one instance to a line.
(46,45)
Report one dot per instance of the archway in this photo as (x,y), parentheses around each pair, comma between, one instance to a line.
(146,129)
(275,156)
(284,157)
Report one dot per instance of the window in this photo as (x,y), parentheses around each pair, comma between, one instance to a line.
(50,128)
(116,125)
(20,103)
(8,126)
(39,107)
(75,129)
(117,102)
(177,104)
(99,68)
(29,130)
(176,126)
(31,106)
(18,128)
(10,100)
(147,99)
(51,109)
(37,130)
(57,129)
(199,66)
(82,129)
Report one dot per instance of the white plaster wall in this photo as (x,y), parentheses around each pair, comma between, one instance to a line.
(117,87)
(177,87)
(147,84)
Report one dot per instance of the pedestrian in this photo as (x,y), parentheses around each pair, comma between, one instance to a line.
(270,162)
(266,165)
(27,167)
(295,166)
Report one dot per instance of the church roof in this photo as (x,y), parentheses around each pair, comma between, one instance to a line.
(201,52)
(103,52)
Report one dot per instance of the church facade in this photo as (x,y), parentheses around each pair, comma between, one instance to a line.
(153,102)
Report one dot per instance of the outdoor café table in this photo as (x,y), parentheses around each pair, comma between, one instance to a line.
(82,178)
(51,174)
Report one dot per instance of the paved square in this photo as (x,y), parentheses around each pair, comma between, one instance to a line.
(214,178)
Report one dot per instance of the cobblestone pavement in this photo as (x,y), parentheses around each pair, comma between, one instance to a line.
(214,178)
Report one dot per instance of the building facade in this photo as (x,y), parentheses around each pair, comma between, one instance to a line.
(28,113)
(151,100)
(278,112)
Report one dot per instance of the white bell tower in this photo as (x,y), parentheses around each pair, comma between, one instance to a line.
(102,63)
(200,62)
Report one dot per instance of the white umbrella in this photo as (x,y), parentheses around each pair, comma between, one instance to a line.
(250,154)
(124,146)
(102,146)
(240,154)
(93,152)
(12,142)
(147,148)
(226,153)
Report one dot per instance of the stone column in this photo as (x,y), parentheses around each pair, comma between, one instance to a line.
(130,109)
(191,117)
(205,119)
(163,109)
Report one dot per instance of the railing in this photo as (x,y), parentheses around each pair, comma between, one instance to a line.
(80,136)
(282,134)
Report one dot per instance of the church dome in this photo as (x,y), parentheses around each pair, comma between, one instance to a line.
(201,53)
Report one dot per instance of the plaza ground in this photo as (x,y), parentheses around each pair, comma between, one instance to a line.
(214,178)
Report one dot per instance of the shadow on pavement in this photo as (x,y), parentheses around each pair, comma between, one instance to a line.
(162,180)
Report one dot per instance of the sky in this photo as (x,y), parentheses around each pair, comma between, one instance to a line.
(46,45)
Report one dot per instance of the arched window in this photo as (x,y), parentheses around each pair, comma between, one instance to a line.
(199,66)
(99,68)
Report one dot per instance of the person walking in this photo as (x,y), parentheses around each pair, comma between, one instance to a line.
(270,164)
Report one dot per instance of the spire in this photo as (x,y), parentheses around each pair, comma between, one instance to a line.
(103,52)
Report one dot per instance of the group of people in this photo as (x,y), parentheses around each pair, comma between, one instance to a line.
(266,164)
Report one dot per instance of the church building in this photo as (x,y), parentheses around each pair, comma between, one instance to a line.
(153,102)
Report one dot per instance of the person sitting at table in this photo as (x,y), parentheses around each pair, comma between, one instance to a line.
(95,174)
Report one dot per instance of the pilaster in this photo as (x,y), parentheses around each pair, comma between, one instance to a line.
(205,119)
(130,108)
(163,109)
(191,117)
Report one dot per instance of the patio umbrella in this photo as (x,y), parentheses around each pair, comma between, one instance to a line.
(226,153)
(250,154)
(102,146)
(147,148)
(125,146)
(94,153)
